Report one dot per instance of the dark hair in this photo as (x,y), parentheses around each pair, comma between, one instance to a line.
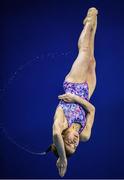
(52,148)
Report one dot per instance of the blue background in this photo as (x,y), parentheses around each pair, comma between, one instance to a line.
(35,38)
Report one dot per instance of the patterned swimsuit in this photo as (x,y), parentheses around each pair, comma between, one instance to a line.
(75,112)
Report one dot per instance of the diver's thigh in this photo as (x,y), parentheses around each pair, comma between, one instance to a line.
(91,79)
(78,72)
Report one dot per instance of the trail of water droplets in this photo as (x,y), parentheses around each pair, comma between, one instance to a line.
(3,90)
(37,59)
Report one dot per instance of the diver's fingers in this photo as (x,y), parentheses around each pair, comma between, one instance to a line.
(58,164)
(63,171)
(63,95)
(60,171)
(60,167)
(65,98)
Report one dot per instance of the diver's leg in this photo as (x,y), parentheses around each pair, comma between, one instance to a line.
(79,68)
(91,73)
(93,39)
(91,76)
(80,65)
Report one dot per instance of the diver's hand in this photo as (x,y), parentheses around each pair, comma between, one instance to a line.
(62,166)
(68,97)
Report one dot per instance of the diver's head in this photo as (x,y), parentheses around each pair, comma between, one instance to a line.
(52,148)
(71,140)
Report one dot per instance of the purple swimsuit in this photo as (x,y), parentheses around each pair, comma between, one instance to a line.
(75,112)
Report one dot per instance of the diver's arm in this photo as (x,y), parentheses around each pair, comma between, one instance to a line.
(68,97)
(90,119)
(90,109)
(86,104)
(86,133)
(58,141)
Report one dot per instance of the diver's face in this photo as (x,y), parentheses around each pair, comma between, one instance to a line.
(71,141)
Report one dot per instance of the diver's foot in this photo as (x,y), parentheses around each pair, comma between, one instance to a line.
(91,16)
(95,27)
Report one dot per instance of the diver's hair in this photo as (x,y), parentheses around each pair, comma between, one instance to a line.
(52,148)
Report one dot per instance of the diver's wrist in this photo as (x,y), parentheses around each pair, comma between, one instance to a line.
(75,98)
(63,158)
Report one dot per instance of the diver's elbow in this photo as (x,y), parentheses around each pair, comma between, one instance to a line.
(85,137)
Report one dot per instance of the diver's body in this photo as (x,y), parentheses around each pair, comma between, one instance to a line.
(74,115)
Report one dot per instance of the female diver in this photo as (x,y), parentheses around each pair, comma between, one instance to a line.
(74,115)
